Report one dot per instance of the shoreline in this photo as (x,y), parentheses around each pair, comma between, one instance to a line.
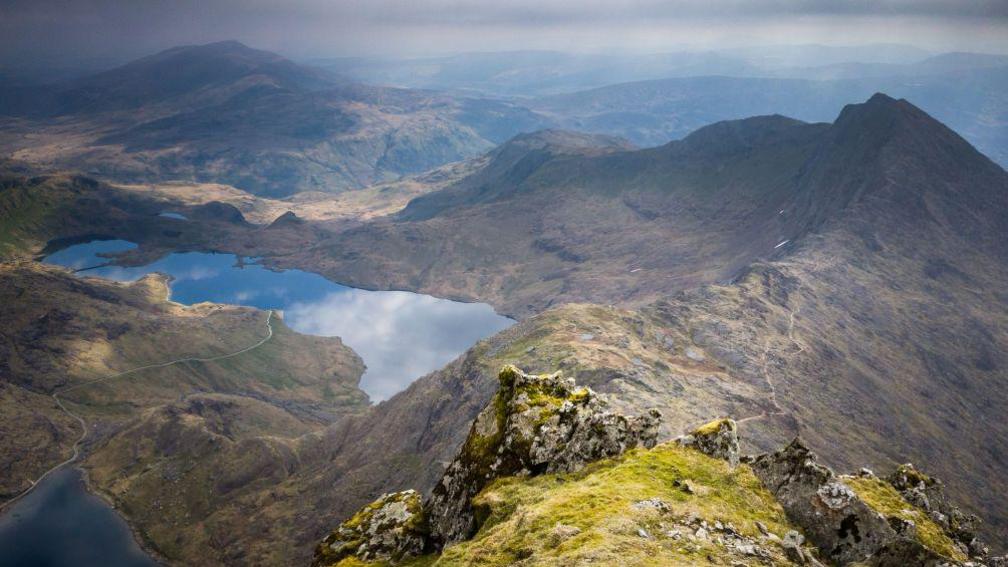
(134,530)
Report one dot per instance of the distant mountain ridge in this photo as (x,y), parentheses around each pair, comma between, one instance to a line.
(224,112)
(199,74)
(968,97)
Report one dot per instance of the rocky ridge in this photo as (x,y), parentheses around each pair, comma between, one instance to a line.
(535,424)
(543,427)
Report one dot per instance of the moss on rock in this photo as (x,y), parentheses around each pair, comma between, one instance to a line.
(884,498)
(534,424)
(718,439)
(629,510)
(390,529)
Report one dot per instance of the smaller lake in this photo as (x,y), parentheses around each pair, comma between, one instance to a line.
(400,335)
(171,215)
(60,523)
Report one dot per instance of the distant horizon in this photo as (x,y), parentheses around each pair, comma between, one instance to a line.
(54,32)
(99,62)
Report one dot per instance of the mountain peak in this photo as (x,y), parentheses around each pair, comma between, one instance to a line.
(883,121)
(227,48)
(880,106)
(187,71)
(510,164)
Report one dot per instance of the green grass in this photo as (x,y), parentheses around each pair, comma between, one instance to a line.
(881,496)
(710,428)
(521,513)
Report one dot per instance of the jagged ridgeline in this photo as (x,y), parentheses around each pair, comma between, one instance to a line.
(549,476)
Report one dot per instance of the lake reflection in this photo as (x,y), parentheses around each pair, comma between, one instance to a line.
(59,523)
(400,335)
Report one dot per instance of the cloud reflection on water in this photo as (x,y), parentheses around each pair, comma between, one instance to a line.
(400,335)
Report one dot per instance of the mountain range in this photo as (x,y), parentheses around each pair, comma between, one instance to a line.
(839,280)
(858,302)
(227,113)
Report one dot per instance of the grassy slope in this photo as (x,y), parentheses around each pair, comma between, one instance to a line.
(643,508)
(599,501)
(67,331)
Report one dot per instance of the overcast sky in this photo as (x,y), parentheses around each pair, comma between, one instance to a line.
(70,29)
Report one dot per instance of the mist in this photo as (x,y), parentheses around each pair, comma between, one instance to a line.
(70,32)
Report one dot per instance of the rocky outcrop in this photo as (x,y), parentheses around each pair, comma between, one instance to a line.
(928,494)
(390,529)
(287,219)
(905,521)
(539,424)
(533,425)
(217,211)
(718,439)
(834,518)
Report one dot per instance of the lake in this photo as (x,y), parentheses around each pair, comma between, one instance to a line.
(60,523)
(400,335)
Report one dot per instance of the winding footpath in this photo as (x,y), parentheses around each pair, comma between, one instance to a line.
(776,408)
(84,428)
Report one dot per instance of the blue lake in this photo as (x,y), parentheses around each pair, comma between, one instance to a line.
(400,335)
(60,523)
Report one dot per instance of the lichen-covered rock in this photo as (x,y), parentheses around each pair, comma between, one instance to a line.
(843,527)
(861,518)
(718,439)
(391,529)
(533,425)
(928,493)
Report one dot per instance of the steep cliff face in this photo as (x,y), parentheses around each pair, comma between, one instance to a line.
(547,477)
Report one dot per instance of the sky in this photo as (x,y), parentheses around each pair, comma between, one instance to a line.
(69,30)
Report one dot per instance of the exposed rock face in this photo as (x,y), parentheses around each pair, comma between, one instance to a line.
(928,493)
(834,518)
(718,439)
(533,425)
(391,528)
(905,521)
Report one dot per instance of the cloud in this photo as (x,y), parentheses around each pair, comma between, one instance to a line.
(410,27)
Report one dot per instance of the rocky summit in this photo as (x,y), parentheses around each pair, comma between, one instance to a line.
(548,476)
(535,424)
